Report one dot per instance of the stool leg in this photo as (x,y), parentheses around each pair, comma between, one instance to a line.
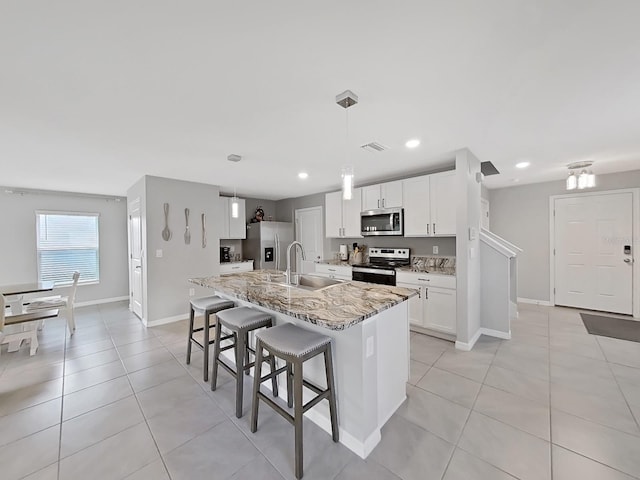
(257,374)
(246,352)
(328,365)
(205,375)
(216,354)
(191,315)
(274,379)
(289,385)
(240,348)
(297,414)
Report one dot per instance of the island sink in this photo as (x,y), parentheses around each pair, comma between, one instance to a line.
(312,282)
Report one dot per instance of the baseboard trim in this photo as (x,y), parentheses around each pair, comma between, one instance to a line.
(496,333)
(533,301)
(467,346)
(163,321)
(100,301)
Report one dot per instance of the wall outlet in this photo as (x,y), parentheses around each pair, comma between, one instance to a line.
(369,351)
(159,253)
(192,292)
(435,249)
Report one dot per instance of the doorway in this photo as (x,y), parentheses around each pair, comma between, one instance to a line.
(592,251)
(135,257)
(309,232)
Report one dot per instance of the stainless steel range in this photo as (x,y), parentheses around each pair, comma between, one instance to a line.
(382,265)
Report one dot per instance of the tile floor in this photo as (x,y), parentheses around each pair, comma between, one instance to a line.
(116,401)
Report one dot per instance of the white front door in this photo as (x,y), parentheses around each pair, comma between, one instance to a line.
(592,270)
(309,233)
(135,255)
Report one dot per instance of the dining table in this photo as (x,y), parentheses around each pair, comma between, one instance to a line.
(24,288)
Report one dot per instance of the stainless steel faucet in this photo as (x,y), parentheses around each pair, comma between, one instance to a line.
(288,272)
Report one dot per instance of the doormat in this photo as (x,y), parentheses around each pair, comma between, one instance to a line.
(612,327)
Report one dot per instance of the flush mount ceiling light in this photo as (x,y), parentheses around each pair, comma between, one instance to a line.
(580,176)
(413,143)
(303,175)
(523,164)
(347,99)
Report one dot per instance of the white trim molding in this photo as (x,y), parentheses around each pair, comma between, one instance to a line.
(534,301)
(467,346)
(100,301)
(163,321)
(496,333)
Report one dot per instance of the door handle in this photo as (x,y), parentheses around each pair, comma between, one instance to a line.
(138,266)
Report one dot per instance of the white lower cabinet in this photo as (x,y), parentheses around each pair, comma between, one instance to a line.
(435,307)
(226,268)
(333,271)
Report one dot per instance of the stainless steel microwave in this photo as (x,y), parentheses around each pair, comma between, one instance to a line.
(383,221)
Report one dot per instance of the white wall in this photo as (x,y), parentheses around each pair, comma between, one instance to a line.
(166,278)
(521,216)
(18,239)
(467,250)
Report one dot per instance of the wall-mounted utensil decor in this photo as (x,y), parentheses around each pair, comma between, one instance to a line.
(166,233)
(187,233)
(204,232)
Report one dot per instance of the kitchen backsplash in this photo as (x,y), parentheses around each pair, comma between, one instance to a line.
(419,246)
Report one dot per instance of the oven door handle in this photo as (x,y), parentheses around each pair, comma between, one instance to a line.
(375,271)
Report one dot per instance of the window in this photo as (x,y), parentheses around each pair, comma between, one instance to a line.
(67,242)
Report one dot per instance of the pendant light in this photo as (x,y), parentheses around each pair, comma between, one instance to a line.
(234,205)
(345,100)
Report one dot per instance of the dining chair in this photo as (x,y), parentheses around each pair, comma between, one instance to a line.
(59,302)
(28,332)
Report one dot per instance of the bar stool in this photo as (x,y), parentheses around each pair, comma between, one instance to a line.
(295,345)
(208,306)
(240,321)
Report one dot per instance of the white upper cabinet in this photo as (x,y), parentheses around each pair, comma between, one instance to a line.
(443,203)
(233,228)
(430,205)
(382,195)
(342,217)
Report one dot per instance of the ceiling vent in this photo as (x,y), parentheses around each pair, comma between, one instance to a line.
(374,147)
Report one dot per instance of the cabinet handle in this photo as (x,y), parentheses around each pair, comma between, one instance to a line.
(426,294)
(424,279)
(378,203)
(434,228)
(331,269)
(383,203)
(427,229)
(235,268)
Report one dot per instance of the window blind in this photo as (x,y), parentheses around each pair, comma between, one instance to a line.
(67,242)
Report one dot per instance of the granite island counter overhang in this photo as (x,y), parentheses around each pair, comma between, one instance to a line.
(369,327)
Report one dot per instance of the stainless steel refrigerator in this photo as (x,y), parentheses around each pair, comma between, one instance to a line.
(267,244)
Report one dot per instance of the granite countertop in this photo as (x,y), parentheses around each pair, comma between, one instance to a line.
(336,307)
(429,270)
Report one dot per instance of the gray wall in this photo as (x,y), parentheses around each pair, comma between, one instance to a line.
(521,215)
(167,286)
(18,239)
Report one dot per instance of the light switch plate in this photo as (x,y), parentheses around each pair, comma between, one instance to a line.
(435,249)
(192,292)
(159,253)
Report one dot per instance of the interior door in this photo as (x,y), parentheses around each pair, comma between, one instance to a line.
(592,270)
(135,253)
(309,233)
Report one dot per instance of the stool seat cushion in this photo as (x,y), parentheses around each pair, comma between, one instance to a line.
(242,317)
(213,303)
(291,340)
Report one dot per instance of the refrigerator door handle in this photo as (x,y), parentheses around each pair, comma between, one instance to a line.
(277,252)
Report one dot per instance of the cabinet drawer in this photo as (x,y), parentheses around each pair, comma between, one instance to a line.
(426,279)
(226,268)
(335,270)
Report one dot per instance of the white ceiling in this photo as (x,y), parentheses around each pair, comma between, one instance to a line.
(93,95)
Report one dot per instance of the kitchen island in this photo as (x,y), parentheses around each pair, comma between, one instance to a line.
(369,327)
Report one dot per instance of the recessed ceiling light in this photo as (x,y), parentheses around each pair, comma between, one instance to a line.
(412,143)
(523,164)
(303,175)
